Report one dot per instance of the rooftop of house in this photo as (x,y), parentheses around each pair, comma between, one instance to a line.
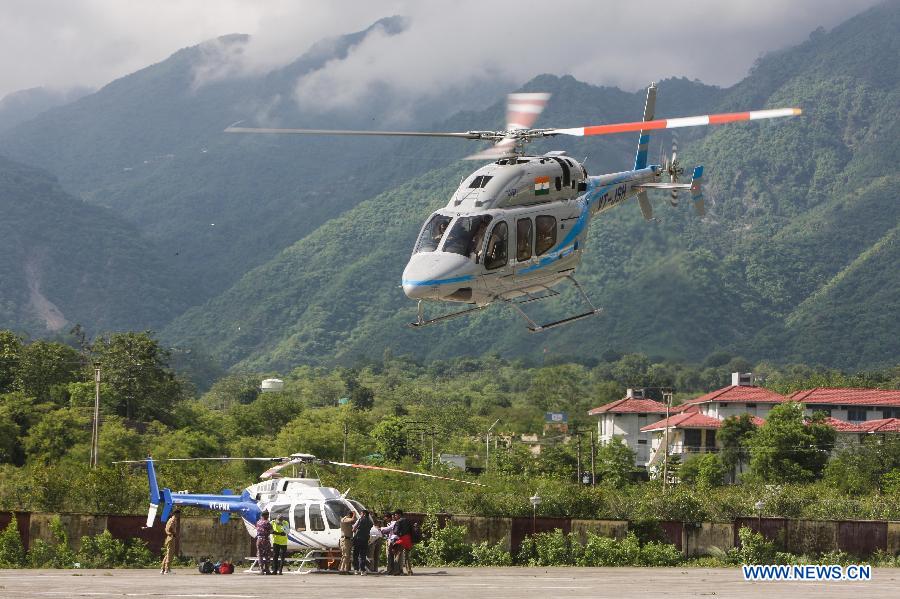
(739,393)
(859,397)
(630,405)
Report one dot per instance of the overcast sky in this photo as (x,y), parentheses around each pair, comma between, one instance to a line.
(64,43)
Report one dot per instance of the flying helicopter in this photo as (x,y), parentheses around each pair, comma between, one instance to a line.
(517,228)
(313,512)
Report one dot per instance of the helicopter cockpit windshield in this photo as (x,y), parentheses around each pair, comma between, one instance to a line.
(432,233)
(466,235)
(335,509)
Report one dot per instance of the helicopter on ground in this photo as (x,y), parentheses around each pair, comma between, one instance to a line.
(517,227)
(313,512)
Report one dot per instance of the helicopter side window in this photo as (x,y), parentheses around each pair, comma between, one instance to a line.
(546,234)
(524,238)
(558,183)
(300,516)
(279,510)
(466,235)
(315,517)
(432,233)
(334,511)
(497,253)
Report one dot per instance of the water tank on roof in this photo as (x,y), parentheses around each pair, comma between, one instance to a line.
(271,385)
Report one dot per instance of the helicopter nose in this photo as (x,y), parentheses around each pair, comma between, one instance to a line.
(436,275)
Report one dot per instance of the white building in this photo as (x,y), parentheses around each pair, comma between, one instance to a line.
(623,419)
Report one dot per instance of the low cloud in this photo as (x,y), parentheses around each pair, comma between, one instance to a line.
(60,44)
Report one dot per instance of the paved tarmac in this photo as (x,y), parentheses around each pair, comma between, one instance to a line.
(447,583)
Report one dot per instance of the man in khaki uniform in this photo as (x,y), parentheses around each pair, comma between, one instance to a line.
(172,529)
(347,542)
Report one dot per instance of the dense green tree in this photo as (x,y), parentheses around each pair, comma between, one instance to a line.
(10,352)
(789,447)
(733,438)
(391,438)
(45,368)
(614,464)
(55,434)
(861,468)
(137,368)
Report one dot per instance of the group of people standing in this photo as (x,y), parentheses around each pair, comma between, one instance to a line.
(362,541)
(266,547)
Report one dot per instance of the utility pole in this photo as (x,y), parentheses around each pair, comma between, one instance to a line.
(578,458)
(487,445)
(593,453)
(668,397)
(346,432)
(95,433)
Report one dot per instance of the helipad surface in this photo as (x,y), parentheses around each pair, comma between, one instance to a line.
(445,583)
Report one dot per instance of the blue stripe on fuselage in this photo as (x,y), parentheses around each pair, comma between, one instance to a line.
(430,282)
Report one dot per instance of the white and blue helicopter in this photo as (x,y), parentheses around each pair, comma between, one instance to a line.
(517,227)
(313,512)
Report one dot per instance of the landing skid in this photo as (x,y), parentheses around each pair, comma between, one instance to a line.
(533,327)
(421,321)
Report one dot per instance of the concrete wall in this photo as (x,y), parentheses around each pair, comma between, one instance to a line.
(615,529)
(203,536)
(709,538)
(893,537)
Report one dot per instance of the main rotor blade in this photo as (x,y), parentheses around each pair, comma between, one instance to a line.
(384,468)
(523,109)
(278,467)
(688,121)
(195,460)
(234,129)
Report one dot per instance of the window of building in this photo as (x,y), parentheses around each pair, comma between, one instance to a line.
(315,517)
(711,439)
(751,405)
(431,234)
(299,522)
(642,441)
(856,414)
(692,439)
(524,239)
(546,234)
(497,254)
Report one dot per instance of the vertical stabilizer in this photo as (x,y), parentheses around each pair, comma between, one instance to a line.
(154,493)
(640,158)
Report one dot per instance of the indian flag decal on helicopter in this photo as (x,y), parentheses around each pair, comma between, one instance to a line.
(541,186)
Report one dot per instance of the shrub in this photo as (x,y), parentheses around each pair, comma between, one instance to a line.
(755,549)
(659,554)
(604,551)
(12,553)
(52,555)
(101,551)
(445,546)
(837,557)
(485,554)
(553,548)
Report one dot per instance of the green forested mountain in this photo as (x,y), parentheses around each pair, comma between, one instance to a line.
(796,259)
(26,104)
(151,147)
(63,262)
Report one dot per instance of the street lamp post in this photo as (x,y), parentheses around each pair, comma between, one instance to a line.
(535,501)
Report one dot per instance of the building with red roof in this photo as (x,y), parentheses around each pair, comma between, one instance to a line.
(852,405)
(691,427)
(624,418)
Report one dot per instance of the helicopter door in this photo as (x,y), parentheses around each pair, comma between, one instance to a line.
(316,522)
(524,244)
(496,255)
(298,517)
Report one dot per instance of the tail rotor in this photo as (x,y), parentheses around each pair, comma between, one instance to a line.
(674,170)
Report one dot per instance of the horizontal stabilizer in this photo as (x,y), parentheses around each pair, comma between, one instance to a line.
(664,186)
(225,518)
